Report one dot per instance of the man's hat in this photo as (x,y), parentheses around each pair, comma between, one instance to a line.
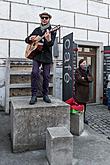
(45,13)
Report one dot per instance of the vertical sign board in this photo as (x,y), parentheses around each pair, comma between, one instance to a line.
(67,67)
(106,72)
(75,52)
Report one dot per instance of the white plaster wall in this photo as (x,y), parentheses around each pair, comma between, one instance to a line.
(102,23)
(74,5)
(109,10)
(4,51)
(20,1)
(12,30)
(46,3)
(27,13)
(106,1)
(78,34)
(4,10)
(86,22)
(17,49)
(31,27)
(97,9)
(98,37)
(62,17)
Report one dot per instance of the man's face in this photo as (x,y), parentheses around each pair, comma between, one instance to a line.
(45,19)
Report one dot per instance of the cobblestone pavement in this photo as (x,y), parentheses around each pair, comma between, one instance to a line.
(98,117)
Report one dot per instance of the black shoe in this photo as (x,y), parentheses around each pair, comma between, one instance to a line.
(33,100)
(86,122)
(46,99)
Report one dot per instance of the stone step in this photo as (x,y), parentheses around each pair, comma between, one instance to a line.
(25,85)
(19,85)
(22,72)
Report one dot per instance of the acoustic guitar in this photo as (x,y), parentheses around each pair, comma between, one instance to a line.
(36,46)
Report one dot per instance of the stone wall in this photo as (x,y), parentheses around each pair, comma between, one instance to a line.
(89,20)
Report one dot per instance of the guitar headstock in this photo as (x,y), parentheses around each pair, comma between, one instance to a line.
(55,28)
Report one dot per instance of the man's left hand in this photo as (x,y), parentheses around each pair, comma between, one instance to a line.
(47,35)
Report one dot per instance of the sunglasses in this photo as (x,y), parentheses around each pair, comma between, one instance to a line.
(45,18)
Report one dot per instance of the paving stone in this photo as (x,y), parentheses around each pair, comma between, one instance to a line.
(99,118)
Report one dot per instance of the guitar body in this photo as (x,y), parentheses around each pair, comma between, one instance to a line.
(32,49)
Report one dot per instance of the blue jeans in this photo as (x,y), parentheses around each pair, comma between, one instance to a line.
(35,77)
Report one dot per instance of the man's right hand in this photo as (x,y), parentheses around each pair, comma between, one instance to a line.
(34,38)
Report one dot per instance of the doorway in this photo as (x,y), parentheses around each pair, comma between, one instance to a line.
(88,53)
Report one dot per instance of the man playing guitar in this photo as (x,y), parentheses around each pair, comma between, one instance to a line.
(42,56)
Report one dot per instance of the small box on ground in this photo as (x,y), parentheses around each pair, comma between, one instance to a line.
(59,146)
(77,123)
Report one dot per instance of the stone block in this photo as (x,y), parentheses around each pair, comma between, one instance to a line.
(48,4)
(98,9)
(74,6)
(59,14)
(25,13)
(3,49)
(90,22)
(59,146)
(18,28)
(4,10)
(77,123)
(29,122)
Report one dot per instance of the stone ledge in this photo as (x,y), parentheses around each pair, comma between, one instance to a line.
(24,103)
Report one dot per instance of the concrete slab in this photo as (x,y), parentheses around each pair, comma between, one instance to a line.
(91,149)
(29,122)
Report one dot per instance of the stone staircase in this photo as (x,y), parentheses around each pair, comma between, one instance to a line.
(18,80)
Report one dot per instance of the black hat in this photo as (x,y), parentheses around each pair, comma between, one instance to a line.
(45,13)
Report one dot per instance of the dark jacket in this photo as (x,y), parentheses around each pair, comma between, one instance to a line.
(44,56)
(82,85)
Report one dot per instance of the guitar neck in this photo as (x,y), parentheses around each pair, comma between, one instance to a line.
(41,37)
(51,30)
